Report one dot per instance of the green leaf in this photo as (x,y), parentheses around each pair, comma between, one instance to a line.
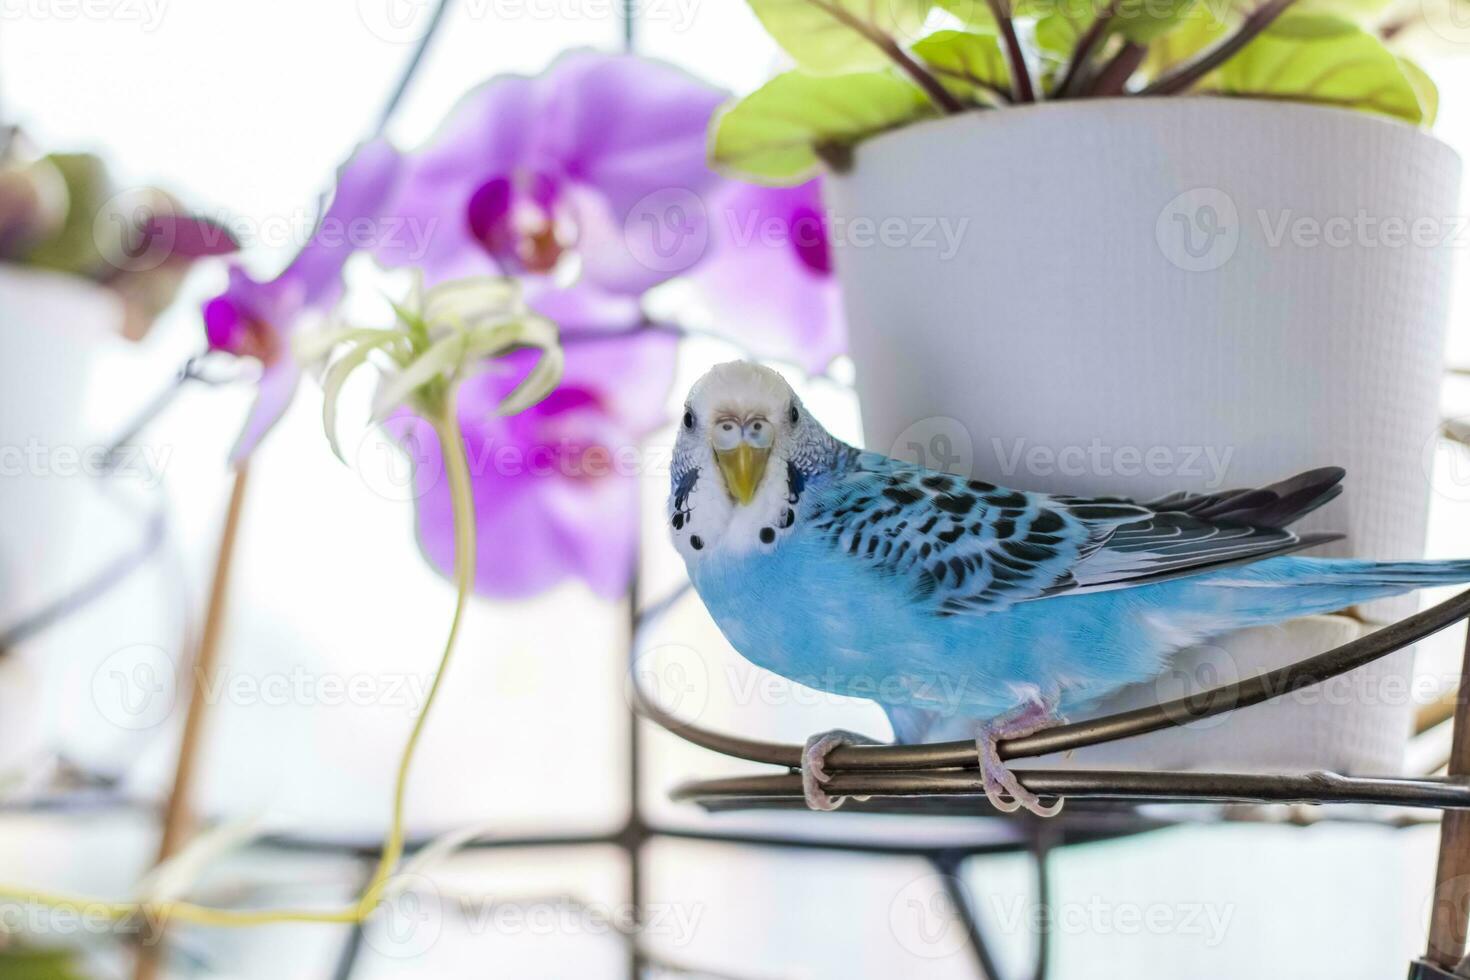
(542,379)
(1195,33)
(1308,26)
(833,36)
(19,962)
(74,247)
(1059,24)
(971,13)
(1362,11)
(1142,21)
(309,348)
(33,204)
(970,65)
(1325,60)
(441,359)
(1424,88)
(333,381)
(471,302)
(773,135)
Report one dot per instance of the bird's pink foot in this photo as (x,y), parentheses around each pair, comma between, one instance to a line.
(1002,788)
(813,761)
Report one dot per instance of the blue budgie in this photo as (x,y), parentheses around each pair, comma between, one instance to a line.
(963,607)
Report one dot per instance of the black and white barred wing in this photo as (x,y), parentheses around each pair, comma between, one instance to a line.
(966,546)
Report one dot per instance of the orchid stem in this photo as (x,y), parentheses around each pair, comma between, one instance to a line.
(462,501)
(156,914)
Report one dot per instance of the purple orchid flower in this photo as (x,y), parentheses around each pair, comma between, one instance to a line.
(553,180)
(777,237)
(569,180)
(254,318)
(556,487)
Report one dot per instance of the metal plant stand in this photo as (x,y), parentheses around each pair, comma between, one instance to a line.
(941,778)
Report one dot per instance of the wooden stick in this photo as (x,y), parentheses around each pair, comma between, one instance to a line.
(178,817)
(1450,912)
(1436,712)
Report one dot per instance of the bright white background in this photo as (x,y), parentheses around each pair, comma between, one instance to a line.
(246,109)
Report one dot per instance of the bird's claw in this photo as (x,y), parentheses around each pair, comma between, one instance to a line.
(1002,788)
(814,773)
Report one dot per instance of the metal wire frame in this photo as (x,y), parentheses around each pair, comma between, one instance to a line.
(948,768)
(941,777)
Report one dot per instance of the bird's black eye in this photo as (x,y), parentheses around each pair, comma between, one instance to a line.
(794,415)
(688,419)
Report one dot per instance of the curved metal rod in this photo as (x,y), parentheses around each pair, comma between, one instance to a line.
(1318,787)
(1125,724)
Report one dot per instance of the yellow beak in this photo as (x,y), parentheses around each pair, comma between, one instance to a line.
(742,468)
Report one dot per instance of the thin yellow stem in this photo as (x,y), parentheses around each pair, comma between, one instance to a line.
(461,494)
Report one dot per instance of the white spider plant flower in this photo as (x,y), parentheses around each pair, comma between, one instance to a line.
(440,337)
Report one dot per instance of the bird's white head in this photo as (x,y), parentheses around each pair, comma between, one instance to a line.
(746,448)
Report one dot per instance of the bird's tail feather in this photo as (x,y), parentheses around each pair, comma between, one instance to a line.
(1287,587)
(1278,505)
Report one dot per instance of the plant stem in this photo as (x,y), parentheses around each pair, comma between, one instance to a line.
(1186,76)
(938,94)
(1113,78)
(461,495)
(1087,46)
(1022,88)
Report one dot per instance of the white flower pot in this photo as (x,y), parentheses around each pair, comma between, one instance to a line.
(1137,296)
(53,330)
